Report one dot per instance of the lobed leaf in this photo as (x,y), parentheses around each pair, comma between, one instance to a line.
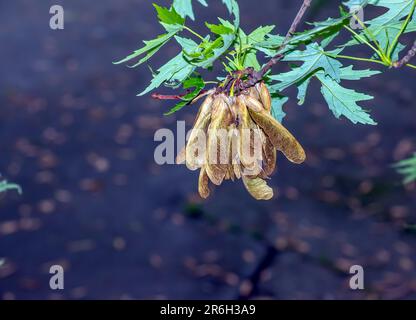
(5,186)
(343,101)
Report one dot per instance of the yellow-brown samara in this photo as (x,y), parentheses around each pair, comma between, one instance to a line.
(236,137)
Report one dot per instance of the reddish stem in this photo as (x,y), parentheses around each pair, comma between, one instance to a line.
(406,59)
(258,76)
(158,96)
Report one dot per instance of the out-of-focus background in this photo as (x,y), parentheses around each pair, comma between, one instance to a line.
(80,143)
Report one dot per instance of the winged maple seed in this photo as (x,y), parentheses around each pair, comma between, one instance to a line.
(235,137)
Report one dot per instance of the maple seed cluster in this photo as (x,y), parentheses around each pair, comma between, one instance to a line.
(249,127)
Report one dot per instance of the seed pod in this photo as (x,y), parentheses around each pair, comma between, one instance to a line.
(254,93)
(279,136)
(217,143)
(203,184)
(181,157)
(200,126)
(258,188)
(265,97)
(237,171)
(257,139)
(269,158)
(231,101)
(234,139)
(205,109)
(196,146)
(245,135)
(240,139)
(232,151)
(252,103)
(208,93)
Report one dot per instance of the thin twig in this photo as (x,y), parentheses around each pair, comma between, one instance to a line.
(306,4)
(258,76)
(406,59)
(158,96)
(253,76)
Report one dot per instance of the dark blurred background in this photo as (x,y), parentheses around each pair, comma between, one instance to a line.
(80,143)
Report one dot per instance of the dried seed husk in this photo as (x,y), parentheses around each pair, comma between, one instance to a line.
(202,95)
(231,101)
(252,103)
(220,121)
(201,123)
(235,161)
(237,171)
(203,184)
(196,145)
(257,139)
(245,135)
(207,107)
(230,173)
(280,137)
(232,151)
(252,173)
(258,188)
(181,157)
(265,97)
(253,92)
(269,158)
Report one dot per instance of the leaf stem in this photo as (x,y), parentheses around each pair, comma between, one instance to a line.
(258,76)
(362,39)
(411,66)
(402,30)
(371,36)
(356,58)
(194,33)
(406,59)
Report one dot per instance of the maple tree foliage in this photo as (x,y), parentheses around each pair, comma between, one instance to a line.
(314,54)
(227,43)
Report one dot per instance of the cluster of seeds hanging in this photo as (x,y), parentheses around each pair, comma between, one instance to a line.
(236,137)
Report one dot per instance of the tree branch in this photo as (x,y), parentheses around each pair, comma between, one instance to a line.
(253,77)
(258,76)
(406,59)
(158,96)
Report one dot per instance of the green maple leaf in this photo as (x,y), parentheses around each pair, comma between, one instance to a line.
(396,10)
(150,48)
(171,21)
(408,169)
(174,71)
(215,50)
(278,102)
(385,35)
(348,73)
(302,90)
(184,7)
(219,29)
(259,35)
(5,186)
(314,58)
(322,28)
(246,44)
(234,9)
(343,101)
(169,16)
(270,45)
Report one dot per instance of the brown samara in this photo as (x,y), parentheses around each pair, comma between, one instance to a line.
(236,137)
